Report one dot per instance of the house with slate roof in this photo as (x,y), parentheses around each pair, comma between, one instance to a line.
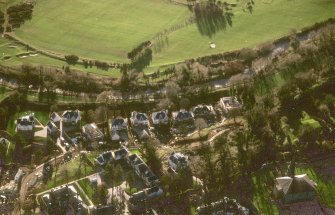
(92,134)
(205,112)
(229,103)
(182,120)
(121,153)
(182,116)
(118,129)
(25,126)
(56,119)
(63,200)
(140,125)
(138,119)
(177,161)
(295,188)
(52,130)
(71,120)
(160,118)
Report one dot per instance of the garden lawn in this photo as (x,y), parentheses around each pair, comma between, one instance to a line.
(135,151)
(262,189)
(88,189)
(34,97)
(4,92)
(325,188)
(112,29)
(103,30)
(307,120)
(73,173)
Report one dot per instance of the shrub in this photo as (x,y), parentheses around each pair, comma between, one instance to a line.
(71,59)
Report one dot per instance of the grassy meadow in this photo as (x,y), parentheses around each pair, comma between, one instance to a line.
(267,22)
(109,29)
(104,30)
(12,49)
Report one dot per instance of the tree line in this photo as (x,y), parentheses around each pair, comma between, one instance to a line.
(20,13)
(133,53)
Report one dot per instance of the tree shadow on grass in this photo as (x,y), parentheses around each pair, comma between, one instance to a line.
(210,26)
(210,19)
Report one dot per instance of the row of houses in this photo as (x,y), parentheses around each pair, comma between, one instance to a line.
(112,156)
(135,161)
(140,168)
(69,121)
(140,122)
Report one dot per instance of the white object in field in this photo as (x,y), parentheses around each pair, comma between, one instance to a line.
(212,45)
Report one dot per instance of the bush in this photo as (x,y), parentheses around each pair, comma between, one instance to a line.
(130,190)
(71,59)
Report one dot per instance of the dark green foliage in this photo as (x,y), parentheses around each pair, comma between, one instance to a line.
(100,195)
(101,65)
(180,182)
(133,53)
(18,14)
(246,93)
(71,59)
(142,60)
(211,17)
(154,162)
(2,20)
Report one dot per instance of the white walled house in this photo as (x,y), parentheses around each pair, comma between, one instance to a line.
(25,126)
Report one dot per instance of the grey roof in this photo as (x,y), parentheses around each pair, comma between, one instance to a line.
(182,115)
(141,116)
(178,158)
(159,115)
(121,152)
(118,122)
(26,120)
(55,117)
(296,184)
(202,110)
(71,115)
(93,131)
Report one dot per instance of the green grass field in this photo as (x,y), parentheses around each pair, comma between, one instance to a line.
(107,30)
(267,22)
(10,48)
(104,30)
